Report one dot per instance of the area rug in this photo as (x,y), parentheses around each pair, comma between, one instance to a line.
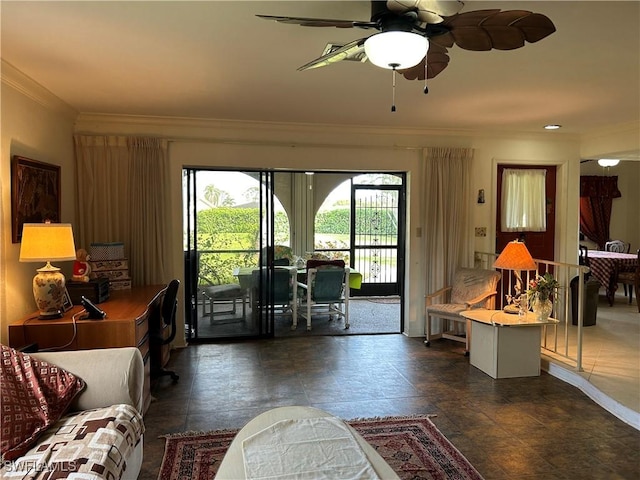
(412,446)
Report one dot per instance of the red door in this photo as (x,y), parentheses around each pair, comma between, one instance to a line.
(539,244)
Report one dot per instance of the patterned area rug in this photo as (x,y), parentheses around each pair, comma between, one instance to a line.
(412,446)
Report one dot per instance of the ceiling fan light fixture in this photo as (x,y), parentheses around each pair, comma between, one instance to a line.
(608,162)
(396,50)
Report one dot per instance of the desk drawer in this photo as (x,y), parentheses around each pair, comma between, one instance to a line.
(144,348)
(142,327)
(146,356)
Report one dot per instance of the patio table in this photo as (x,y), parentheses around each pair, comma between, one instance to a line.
(244,275)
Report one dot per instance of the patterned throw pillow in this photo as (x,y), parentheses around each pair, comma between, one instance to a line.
(34,395)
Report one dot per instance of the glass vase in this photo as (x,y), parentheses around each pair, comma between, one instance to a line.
(542,308)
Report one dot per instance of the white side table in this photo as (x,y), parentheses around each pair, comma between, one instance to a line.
(505,345)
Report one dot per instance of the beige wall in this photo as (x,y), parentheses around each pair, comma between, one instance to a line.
(44,131)
(36,126)
(220,144)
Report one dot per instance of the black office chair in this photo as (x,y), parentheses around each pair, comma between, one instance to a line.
(167,319)
(583,259)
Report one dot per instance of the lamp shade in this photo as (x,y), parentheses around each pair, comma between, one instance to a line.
(43,242)
(515,256)
(396,49)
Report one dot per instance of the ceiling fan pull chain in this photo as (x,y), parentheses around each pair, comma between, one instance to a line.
(426,89)
(393,101)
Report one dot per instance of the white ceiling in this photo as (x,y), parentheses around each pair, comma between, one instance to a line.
(215,59)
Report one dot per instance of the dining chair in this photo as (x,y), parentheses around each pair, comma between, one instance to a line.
(583,259)
(326,292)
(278,290)
(617,246)
(620,247)
(637,284)
(628,276)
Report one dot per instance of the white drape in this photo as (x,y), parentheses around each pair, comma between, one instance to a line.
(123,196)
(446,204)
(523,200)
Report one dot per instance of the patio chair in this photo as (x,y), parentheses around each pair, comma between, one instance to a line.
(326,292)
(471,288)
(211,294)
(280,290)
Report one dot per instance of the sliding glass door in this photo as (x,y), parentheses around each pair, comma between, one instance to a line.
(229,234)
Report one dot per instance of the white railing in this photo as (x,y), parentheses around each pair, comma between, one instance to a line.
(556,339)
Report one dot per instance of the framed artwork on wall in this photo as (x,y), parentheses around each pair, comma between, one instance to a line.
(35,194)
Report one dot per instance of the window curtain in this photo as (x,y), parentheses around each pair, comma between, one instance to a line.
(596,199)
(123,196)
(446,203)
(523,200)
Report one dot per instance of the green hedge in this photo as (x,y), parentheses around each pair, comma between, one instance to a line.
(337,222)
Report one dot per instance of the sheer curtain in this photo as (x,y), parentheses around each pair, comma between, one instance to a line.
(446,203)
(523,200)
(123,196)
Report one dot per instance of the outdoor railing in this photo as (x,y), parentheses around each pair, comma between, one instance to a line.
(556,338)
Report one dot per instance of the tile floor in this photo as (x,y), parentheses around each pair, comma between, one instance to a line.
(611,358)
(523,428)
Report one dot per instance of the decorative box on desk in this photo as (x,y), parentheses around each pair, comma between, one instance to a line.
(116,271)
(95,290)
(106,251)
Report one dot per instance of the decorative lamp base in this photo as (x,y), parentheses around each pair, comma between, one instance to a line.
(48,291)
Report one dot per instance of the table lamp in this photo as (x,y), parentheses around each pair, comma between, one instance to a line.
(46,242)
(515,257)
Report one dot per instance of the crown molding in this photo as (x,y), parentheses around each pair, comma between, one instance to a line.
(14,78)
(202,129)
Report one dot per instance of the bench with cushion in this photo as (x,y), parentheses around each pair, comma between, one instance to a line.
(471,288)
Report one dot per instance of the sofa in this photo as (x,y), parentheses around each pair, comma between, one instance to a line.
(99,432)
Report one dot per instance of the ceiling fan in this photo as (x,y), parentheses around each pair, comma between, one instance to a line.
(413,36)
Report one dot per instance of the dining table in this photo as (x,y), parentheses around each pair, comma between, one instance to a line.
(603,268)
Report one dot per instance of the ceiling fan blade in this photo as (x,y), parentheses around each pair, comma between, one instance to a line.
(346,51)
(483,30)
(437,60)
(428,11)
(319,22)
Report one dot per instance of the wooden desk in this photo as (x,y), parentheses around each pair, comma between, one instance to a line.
(127,325)
(505,345)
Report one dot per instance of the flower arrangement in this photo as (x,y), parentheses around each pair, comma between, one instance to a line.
(542,287)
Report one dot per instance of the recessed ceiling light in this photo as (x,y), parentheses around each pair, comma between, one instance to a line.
(552,127)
